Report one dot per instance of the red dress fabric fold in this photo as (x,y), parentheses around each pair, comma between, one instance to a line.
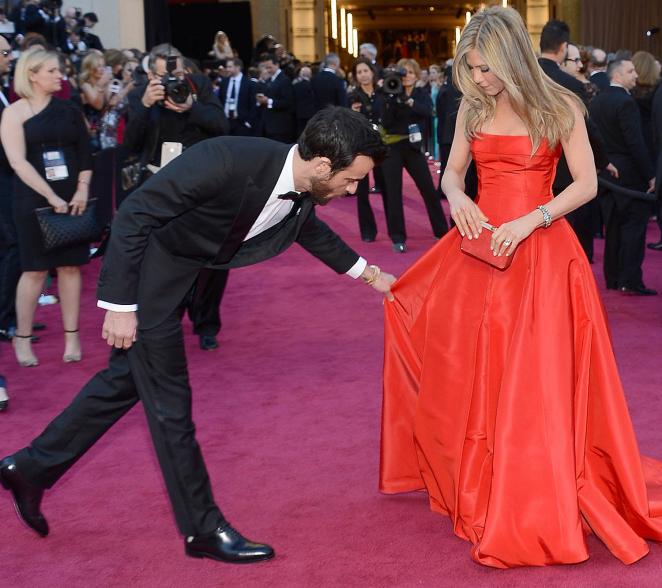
(502,398)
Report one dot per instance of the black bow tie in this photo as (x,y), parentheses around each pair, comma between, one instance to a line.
(293,196)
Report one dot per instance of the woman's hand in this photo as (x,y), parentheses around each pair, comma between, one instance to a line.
(78,203)
(509,235)
(467,216)
(356,106)
(60,206)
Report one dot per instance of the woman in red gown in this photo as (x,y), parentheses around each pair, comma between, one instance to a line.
(502,397)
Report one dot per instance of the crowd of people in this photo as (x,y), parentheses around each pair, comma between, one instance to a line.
(67,97)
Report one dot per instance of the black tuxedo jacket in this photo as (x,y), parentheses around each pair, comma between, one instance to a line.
(279,119)
(600,79)
(552,69)
(304,99)
(657,137)
(195,213)
(246,104)
(328,88)
(616,115)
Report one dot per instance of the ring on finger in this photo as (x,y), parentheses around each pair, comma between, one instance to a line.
(507,242)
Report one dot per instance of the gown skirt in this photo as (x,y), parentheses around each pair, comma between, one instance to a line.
(502,398)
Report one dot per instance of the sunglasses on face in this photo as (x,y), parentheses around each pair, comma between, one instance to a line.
(576,59)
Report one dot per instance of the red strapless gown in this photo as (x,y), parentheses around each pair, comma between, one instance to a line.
(502,398)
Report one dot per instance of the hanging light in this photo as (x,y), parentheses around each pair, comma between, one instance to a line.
(458,32)
(350,35)
(467,17)
(504,3)
(355,35)
(334,20)
(343,29)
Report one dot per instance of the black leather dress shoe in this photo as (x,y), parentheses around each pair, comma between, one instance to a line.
(399,247)
(208,342)
(638,291)
(4,399)
(367,238)
(655,246)
(25,496)
(228,545)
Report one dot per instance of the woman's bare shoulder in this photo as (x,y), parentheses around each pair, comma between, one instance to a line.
(19,110)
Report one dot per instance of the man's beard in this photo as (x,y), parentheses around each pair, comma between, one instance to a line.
(319,192)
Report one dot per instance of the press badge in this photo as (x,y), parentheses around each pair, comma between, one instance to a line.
(55,167)
(415,135)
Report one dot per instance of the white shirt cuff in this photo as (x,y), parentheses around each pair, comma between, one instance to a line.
(357,269)
(117,307)
(270,103)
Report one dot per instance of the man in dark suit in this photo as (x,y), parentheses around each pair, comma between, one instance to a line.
(10,268)
(90,19)
(226,202)
(555,50)
(304,99)
(237,95)
(616,114)
(657,137)
(155,119)
(276,103)
(328,87)
(597,67)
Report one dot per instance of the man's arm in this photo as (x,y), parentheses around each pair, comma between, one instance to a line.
(207,112)
(317,238)
(630,123)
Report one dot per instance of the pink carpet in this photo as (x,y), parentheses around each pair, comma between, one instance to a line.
(288,418)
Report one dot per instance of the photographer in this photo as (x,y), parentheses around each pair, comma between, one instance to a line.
(406,110)
(366,99)
(169,113)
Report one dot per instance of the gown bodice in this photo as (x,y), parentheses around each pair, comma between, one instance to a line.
(511,182)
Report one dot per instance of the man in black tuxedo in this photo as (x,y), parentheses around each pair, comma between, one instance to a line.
(597,67)
(555,50)
(616,114)
(276,103)
(155,119)
(304,99)
(328,87)
(226,202)
(237,95)
(10,267)
(90,19)
(657,137)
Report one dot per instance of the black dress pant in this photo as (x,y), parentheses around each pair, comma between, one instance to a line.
(582,220)
(239,129)
(10,266)
(625,239)
(204,305)
(153,371)
(402,156)
(367,223)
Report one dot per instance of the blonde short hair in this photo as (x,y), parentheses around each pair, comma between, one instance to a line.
(90,63)
(648,70)
(30,61)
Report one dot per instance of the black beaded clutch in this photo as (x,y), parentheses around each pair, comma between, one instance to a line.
(66,230)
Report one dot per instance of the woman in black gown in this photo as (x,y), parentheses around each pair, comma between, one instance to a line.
(38,131)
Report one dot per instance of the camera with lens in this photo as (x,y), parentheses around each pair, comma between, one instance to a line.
(176,89)
(392,85)
(366,105)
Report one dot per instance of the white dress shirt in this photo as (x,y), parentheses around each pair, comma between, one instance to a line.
(274,211)
(236,80)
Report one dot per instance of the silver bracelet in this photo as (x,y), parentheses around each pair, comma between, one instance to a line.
(546,217)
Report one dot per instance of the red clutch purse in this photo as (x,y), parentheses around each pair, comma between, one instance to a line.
(480,248)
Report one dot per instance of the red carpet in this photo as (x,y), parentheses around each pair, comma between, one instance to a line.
(288,418)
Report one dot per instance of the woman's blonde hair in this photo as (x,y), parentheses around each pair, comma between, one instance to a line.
(30,61)
(648,71)
(500,37)
(411,63)
(89,65)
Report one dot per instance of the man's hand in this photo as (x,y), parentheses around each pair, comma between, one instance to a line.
(379,280)
(262,99)
(651,186)
(154,92)
(612,169)
(179,108)
(119,329)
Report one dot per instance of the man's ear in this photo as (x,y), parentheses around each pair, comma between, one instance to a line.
(323,168)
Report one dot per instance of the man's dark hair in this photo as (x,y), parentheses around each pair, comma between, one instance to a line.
(91,16)
(340,134)
(553,35)
(614,65)
(238,62)
(269,57)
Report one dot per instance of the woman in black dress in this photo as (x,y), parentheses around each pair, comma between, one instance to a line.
(38,132)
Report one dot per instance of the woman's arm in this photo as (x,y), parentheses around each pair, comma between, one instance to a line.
(464,211)
(13,140)
(95,96)
(584,187)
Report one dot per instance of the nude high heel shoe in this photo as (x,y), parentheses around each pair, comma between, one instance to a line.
(24,357)
(72,357)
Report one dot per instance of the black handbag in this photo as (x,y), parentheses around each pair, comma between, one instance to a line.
(66,230)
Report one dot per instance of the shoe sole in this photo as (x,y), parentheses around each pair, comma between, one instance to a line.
(200,555)
(18,510)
